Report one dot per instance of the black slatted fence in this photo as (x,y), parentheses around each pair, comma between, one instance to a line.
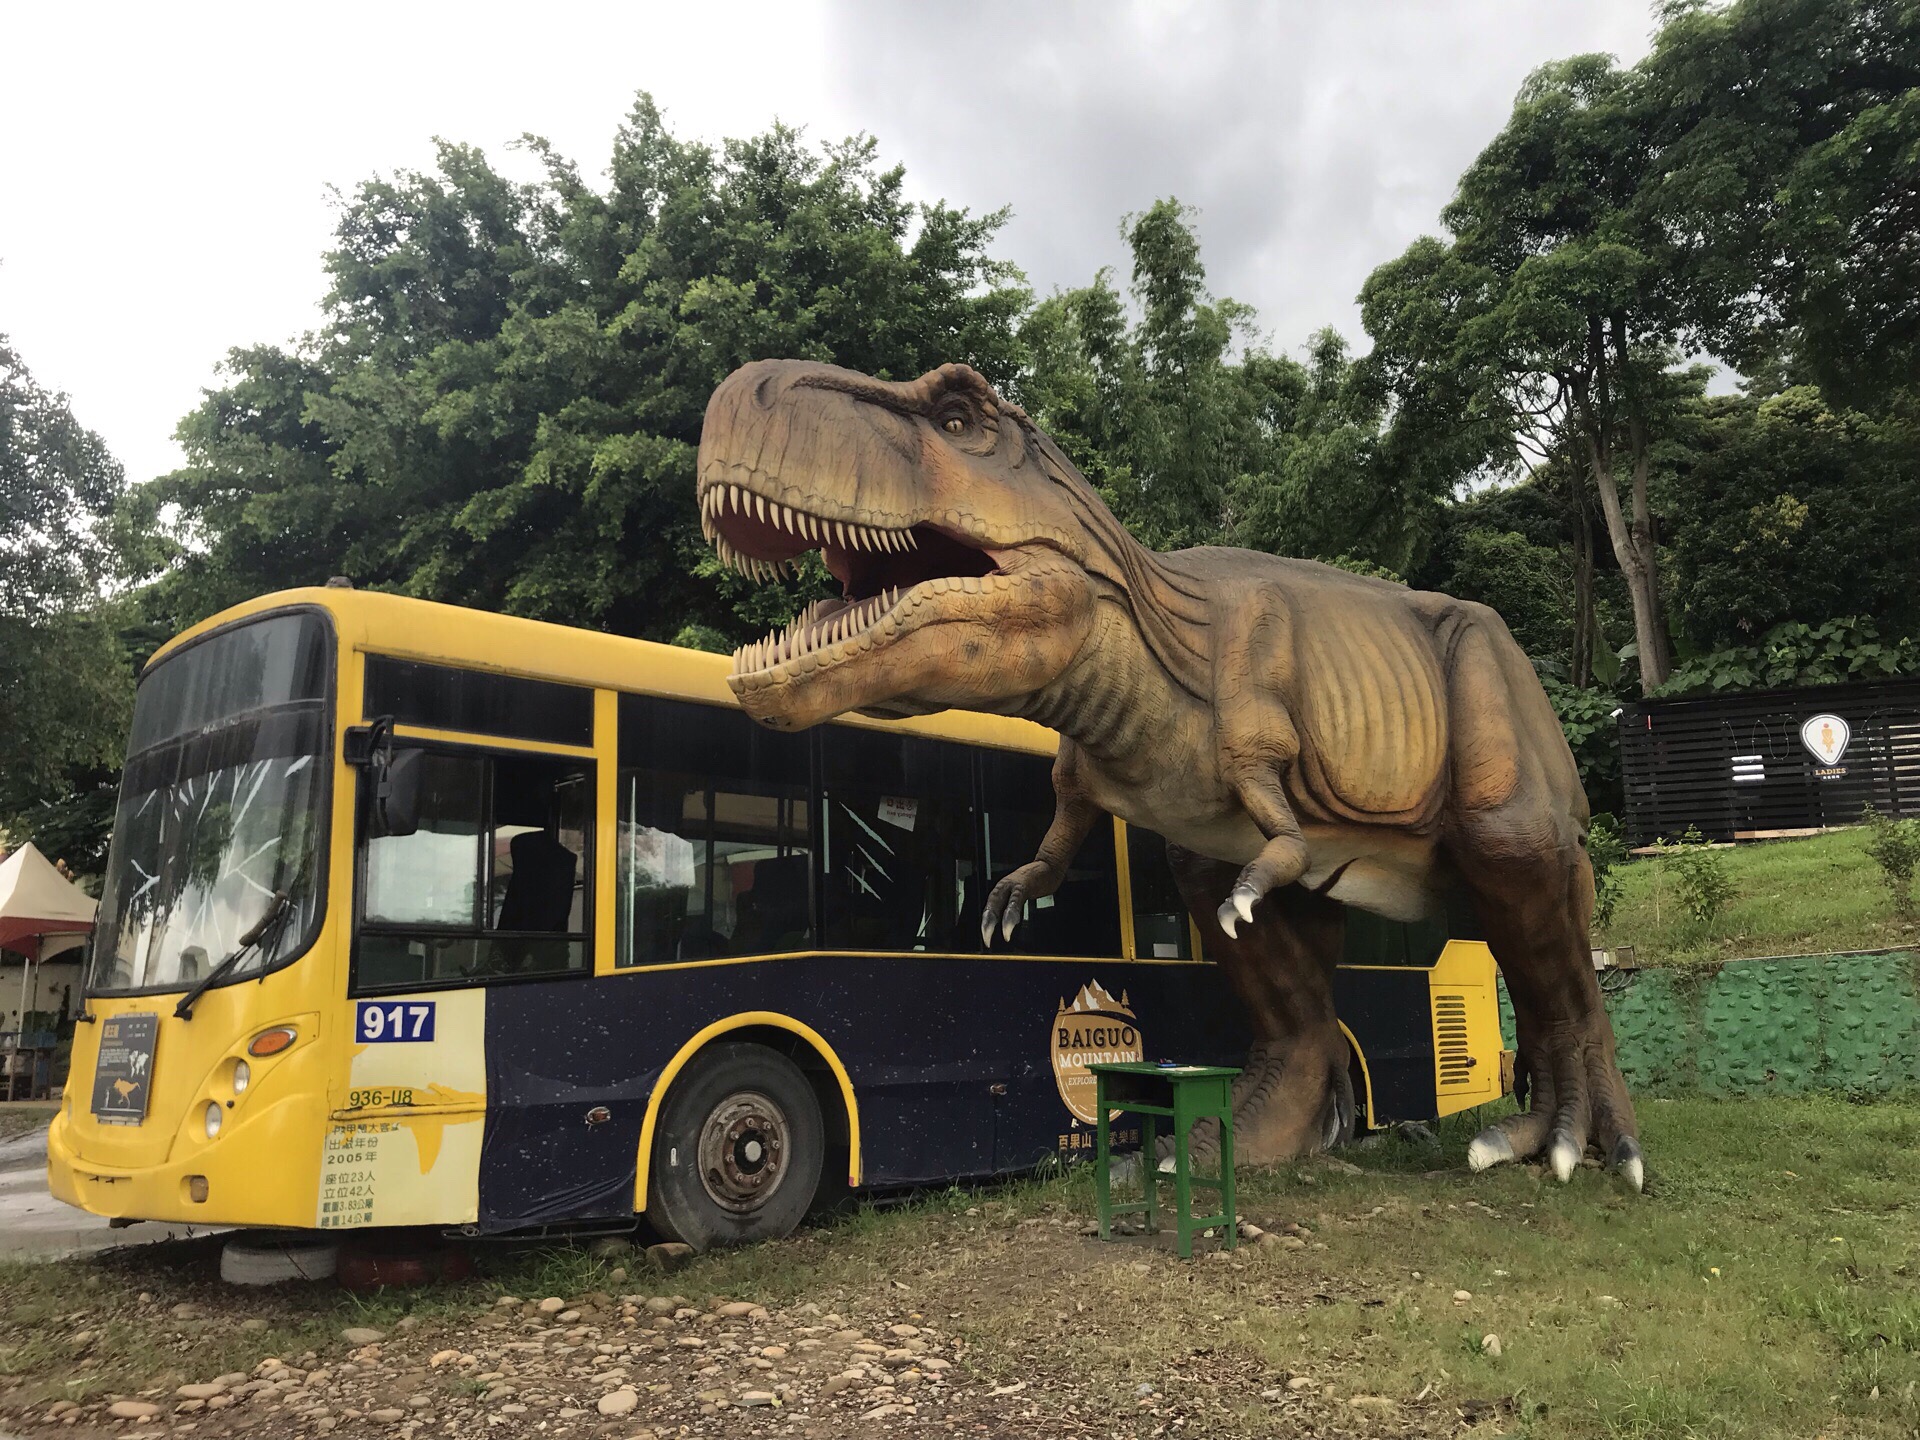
(1734,766)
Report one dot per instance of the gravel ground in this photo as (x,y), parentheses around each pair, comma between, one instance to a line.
(628,1364)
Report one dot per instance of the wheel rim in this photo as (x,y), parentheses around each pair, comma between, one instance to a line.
(743,1151)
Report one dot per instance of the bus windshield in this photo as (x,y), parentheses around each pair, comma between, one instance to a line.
(223,804)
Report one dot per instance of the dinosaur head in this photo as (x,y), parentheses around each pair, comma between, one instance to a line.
(958,533)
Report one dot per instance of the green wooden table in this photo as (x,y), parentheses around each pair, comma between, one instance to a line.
(1181,1094)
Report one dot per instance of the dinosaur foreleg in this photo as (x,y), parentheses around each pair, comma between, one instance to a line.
(1074,814)
(1281,861)
(1294,1094)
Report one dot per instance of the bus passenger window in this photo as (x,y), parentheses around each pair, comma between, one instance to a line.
(662,852)
(1082,917)
(1160,929)
(758,872)
(715,836)
(538,821)
(899,872)
(494,882)
(539,834)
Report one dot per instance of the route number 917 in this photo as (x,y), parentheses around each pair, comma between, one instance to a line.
(390,1020)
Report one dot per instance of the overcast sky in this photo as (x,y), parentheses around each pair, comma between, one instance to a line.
(164,172)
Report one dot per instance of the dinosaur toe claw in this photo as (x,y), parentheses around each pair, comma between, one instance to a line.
(1230,920)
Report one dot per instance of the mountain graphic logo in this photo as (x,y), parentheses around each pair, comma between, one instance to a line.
(1091,1029)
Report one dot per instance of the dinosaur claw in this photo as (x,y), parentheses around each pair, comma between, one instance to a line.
(1244,898)
(1230,920)
(1489,1148)
(987,918)
(1630,1163)
(1563,1155)
(1011,917)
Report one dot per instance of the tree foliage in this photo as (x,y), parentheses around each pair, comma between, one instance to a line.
(1199,435)
(504,405)
(1787,167)
(1787,509)
(65,683)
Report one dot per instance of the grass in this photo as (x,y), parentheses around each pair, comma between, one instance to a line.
(17,1117)
(1791,897)
(1767,1285)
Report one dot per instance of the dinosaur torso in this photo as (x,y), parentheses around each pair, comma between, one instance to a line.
(1353,666)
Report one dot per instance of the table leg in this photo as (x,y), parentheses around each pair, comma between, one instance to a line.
(1150,1169)
(1102,1159)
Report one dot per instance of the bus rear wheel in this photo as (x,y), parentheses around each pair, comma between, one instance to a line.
(738,1151)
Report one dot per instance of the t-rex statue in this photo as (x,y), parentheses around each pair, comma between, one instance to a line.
(1301,735)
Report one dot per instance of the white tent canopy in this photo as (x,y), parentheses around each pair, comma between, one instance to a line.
(37,901)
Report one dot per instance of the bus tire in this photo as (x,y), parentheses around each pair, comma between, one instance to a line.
(738,1151)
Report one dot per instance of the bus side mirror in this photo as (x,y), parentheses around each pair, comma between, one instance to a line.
(393,775)
(396,792)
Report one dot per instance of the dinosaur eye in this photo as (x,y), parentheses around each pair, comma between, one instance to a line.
(954,426)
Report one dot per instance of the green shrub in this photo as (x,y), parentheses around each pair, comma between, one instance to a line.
(1895,848)
(1606,849)
(1699,875)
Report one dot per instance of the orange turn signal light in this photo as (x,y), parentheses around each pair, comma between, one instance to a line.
(271,1042)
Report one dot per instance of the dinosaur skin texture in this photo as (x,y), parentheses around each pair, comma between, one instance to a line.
(1301,735)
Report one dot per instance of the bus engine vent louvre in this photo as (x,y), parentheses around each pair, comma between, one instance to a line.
(1451,1047)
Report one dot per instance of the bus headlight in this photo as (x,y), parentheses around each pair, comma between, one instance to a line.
(213,1118)
(242,1077)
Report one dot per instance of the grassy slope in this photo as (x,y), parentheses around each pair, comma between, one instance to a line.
(1790,897)
(1765,1287)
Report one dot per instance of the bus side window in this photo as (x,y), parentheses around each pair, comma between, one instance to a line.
(899,870)
(715,856)
(1160,929)
(1083,916)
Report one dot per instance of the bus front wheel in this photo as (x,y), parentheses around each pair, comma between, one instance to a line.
(738,1151)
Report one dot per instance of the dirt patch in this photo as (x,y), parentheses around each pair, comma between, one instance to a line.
(990,1326)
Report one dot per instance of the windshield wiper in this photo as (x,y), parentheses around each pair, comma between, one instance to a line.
(276,910)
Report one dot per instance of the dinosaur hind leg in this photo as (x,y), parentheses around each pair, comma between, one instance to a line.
(1295,1094)
(1577,1094)
(1516,840)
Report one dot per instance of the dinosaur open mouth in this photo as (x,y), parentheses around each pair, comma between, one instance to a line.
(878,567)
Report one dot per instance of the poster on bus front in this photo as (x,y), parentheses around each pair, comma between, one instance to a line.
(123,1077)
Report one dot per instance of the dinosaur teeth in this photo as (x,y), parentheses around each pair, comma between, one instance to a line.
(718,501)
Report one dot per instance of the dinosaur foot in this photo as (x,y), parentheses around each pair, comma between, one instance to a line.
(1557,1128)
(1292,1099)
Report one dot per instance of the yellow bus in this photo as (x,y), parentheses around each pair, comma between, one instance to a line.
(417,915)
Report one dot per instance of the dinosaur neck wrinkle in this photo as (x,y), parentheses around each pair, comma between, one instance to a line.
(1114,694)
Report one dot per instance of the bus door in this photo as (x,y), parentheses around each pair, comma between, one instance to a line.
(475,909)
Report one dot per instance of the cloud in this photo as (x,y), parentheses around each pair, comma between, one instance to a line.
(166,169)
(1315,140)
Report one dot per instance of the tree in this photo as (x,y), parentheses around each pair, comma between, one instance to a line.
(65,684)
(1787,168)
(57,483)
(504,405)
(1154,410)
(1791,510)
(1548,317)
(1194,446)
